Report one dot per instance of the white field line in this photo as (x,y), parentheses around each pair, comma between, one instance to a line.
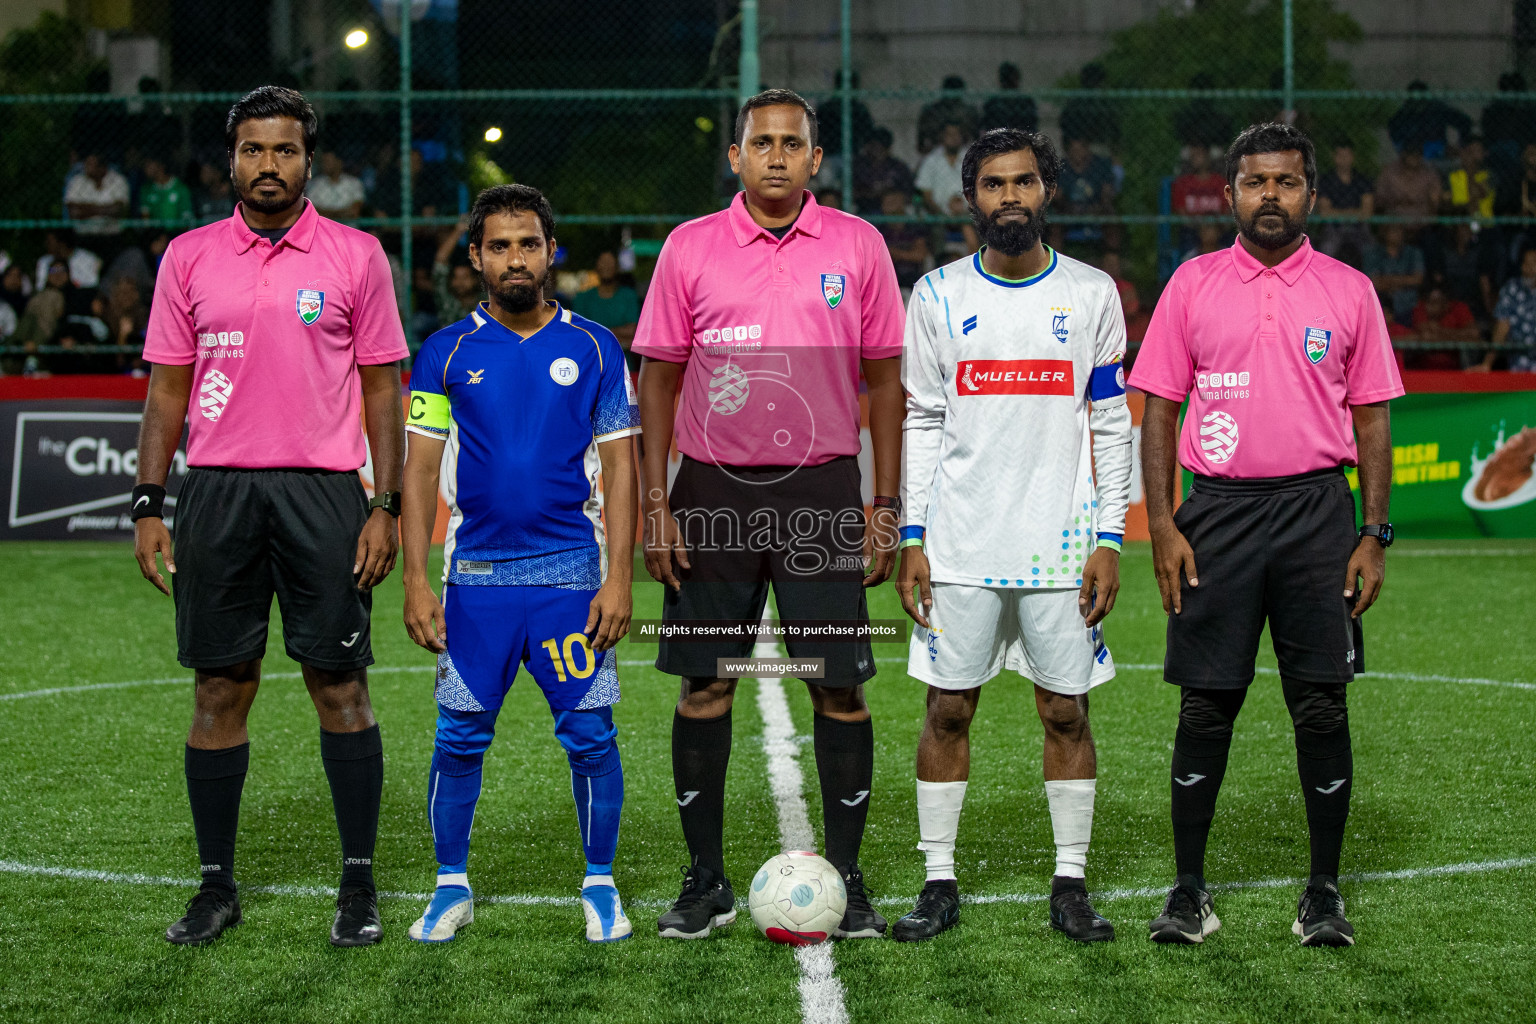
(1476,867)
(50,691)
(1464,553)
(821,994)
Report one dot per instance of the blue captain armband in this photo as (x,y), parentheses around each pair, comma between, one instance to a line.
(1106,382)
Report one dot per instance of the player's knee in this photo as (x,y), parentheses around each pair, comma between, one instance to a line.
(464,735)
(949,718)
(589,739)
(1320,715)
(845,703)
(1206,718)
(1063,716)
(704,697)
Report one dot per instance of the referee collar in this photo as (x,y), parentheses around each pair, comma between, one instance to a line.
(301,236)
(1289,271)
(748,230)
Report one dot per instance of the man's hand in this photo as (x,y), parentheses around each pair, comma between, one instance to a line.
(1171,555)
(608,619)
(1101,582)
(881,535)
(914,573)
(663,540)
(1368,568)
(151,536)
(425,622)
(376,547)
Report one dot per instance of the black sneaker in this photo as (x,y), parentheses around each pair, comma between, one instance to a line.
(860,920)
(1188,917)
(357,919)
(706,903)
(1073,914)
(208,913)
(1320,917)
(937,910)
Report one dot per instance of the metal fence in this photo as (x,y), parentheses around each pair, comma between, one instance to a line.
(622,113)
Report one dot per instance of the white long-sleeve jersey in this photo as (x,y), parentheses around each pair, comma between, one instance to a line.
(1015,392)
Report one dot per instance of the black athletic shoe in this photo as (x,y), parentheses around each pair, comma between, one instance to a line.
(1073,914)
(937,910)
(208,913)
(860,920)
(1320,917)
(357,919)
(1188,917)
(706,903)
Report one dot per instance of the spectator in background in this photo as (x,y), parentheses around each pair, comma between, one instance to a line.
(1421,125)
(1209,238)
(97,197)
(215,198)
(163,196)
(1438,317)
(830,196)
(877,172)
(1514,325)
(1469,266)
(911,251)
(13,299)
(829,120)
(1409,187)
(614,303)
(1136,318)
(45,310)
(1086,186)
(1396,268)
(934,118)
(938,176)
(125,315)
(1010,108)
(1092,120)
(1344,192)
(1200,191)
(1518,199)
(335,193)
(455,283)
(1471,187)
(82,265)
(1509,125)
(1200,122)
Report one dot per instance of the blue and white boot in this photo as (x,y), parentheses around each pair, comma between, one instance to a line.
(605,913)
(452,907)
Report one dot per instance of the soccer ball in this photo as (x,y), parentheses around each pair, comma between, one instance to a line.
(797,898)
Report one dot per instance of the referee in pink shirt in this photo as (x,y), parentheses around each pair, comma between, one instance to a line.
(764,314)
(1284,357)
(273,334)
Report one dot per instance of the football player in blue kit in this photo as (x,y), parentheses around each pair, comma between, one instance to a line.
(534,407)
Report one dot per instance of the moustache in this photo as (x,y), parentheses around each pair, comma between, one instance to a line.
(274,179)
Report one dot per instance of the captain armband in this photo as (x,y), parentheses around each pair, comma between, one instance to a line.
(428,414)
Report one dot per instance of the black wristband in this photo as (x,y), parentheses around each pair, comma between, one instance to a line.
(148,501)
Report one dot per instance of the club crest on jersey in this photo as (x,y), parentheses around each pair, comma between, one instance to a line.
(1317,342)
(933,643)
(310,305)
(832,289)
(1059,323)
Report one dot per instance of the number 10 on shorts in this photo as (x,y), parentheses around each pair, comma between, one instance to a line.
(565,658)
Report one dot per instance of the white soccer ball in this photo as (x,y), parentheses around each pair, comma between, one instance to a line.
(797,898)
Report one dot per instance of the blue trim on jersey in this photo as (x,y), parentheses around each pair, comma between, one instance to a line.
(1009,282)
(1106,382)
(575,569)
(1116,537)
(946,317)
(913,532)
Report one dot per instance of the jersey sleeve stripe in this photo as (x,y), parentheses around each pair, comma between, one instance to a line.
(614,435)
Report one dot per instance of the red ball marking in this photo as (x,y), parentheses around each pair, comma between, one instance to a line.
(789,938)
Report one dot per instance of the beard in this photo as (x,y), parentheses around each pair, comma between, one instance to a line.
(1271,237)
(262,204)
(517,296)
(1012,237)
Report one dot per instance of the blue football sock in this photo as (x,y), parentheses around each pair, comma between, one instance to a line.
(599,869)
(453,787)
(597,781)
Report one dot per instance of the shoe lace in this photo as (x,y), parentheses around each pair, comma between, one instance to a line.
(346,900)
(858,896)
(207,902)
(1075,901)
(1324,902)
(1182,902)
(695,890)
(931,900)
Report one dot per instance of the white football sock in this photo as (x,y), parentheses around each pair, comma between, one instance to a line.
(459,878)
(1071,802)
(938,822)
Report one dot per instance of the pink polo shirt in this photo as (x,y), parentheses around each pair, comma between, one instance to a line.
(277,333)
(1271,361)
(772,331)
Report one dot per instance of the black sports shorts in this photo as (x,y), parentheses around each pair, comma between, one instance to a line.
(243,535)
(1272,549)
(802,529)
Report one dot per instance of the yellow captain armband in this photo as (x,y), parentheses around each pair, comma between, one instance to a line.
(428,413)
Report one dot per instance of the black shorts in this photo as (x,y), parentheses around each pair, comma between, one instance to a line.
(800,529)
(243,535)
(1272,549)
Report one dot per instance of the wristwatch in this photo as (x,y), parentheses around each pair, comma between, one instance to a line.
(389,501)
(1382,532)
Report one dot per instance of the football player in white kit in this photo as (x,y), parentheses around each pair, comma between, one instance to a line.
(1012,366)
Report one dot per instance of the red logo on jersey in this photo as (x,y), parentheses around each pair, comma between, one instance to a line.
(1014,377)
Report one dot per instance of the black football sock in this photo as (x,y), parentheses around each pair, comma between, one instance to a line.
(845,763)
(354,764)
(701,751)
(1325,761)
(1200,748)
(215,779)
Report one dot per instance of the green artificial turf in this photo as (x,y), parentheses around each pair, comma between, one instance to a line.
(90,780)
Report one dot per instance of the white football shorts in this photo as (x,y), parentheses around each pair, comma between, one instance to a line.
(978,631)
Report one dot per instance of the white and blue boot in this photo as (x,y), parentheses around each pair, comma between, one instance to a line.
(452,907)
(606,921)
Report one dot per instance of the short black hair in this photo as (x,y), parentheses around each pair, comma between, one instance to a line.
(272,101)
(510,199)
(1272,137)
(775,98)
(1009,140)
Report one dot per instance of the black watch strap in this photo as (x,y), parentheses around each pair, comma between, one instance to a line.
(1381,531)
(389,501)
